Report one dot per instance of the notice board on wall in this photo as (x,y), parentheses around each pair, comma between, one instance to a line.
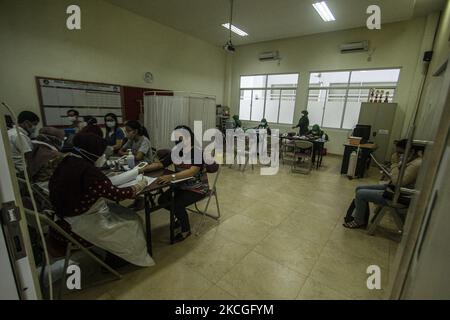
(57,96)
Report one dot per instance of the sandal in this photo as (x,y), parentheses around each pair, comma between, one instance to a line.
(353,225)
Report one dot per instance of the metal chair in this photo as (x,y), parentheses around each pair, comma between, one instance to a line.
(381,211)
(242,152)
(73,245)
(286,145)
(396,210)
(302,154)
(212,192)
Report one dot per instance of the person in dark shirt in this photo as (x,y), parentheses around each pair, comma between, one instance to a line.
(303,124)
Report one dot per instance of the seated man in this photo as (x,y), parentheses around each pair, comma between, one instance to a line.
(46,154)
(20,137)
(374,193)
(316,132)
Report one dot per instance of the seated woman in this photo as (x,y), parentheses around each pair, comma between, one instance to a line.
(264,125)
(85,198)
(316,132)
(46,154)
(92,126)
(114,135)
(374,193)
(138,142)
(189,191)
(237,122)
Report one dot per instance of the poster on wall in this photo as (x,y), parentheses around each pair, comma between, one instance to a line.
(88,98)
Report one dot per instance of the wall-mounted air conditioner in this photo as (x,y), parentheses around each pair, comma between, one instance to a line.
(354,47)
(269,56)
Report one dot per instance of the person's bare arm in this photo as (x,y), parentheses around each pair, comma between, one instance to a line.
(139,156)
(152,167)
(192,171)
(118,145)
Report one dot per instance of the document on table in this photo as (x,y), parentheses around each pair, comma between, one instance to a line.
(129,178)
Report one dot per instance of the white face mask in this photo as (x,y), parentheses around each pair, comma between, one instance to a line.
(33,132)
(100,161)
(110,124)
(72,119)
(82,124)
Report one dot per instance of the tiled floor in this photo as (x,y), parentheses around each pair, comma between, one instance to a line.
(280,237)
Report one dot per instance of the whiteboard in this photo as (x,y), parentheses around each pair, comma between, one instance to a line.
(93,99)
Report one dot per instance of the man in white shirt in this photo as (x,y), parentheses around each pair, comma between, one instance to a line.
(21,141)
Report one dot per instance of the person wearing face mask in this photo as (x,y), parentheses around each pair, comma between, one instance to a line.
(46,154)
(138,142)
(189,191)
(264,125)
(73,117)
(20,137)
(114,135)
(303,124)
(91,126)
(376,193)
(86,199)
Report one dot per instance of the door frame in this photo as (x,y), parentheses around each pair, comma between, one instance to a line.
(425,184)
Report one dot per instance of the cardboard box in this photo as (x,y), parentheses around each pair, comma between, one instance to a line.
(354,141)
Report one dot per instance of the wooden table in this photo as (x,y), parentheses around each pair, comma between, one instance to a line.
(151,205)
(150,193)
(363,157)
(318,145)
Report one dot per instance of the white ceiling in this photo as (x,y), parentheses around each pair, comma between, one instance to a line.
(269,19)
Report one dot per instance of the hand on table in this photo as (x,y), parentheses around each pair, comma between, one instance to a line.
(141,185)
(164,179)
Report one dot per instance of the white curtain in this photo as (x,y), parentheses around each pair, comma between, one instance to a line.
(163,113)
(202,109)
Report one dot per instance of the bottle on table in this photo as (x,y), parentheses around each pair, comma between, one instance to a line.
(130,160)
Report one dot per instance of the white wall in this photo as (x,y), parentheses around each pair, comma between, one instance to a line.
(397,45)
(113,46)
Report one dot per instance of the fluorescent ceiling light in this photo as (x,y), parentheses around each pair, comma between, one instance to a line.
(324,11)
(235,29)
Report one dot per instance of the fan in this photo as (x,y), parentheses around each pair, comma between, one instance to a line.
(229,45)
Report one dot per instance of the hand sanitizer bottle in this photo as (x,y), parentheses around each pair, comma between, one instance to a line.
(130,159)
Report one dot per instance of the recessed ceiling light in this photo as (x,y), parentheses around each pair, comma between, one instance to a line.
(235,29)
(323,10)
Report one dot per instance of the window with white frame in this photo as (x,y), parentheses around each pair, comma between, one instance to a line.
(334,98)
(268,96)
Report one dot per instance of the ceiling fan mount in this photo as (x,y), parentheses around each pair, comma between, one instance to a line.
(229,47)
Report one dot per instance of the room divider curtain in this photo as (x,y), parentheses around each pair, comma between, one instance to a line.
(163,113)
(202,109)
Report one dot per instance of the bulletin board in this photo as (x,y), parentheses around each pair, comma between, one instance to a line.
(57,96)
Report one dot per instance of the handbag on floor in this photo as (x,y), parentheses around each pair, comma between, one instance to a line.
(349,216)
